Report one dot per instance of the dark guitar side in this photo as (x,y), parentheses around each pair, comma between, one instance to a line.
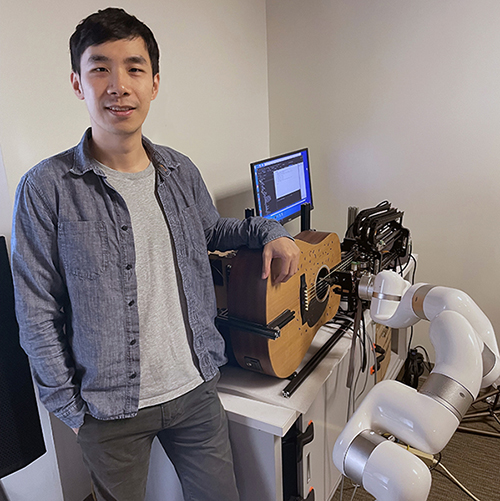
(261,301)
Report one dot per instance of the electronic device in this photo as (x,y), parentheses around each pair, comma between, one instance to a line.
(281,185)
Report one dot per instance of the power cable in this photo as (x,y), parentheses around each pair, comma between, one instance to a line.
(453,479)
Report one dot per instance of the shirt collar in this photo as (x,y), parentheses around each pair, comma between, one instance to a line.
(84,162)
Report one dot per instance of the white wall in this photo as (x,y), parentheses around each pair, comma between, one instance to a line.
(5,203)
(398,100)
(213,102)
(213,106)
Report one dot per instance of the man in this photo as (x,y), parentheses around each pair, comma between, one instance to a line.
(113,285)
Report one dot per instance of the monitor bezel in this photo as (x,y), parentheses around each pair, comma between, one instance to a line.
(296,214)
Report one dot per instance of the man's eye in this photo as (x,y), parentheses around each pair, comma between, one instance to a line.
(99,70)
(136,70)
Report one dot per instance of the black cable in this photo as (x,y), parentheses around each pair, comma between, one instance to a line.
(414,269)
(410,340)
(410,256)
(352,390)
(413,368)
(372,350)
(363,360)
(413,283)
(384,202)
(432,467)
(363,218)
(346,235)
(429,366)
(363,341)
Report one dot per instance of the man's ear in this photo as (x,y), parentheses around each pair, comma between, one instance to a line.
(77,86)
(156,86)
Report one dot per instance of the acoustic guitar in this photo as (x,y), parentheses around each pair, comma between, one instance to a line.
(298,307)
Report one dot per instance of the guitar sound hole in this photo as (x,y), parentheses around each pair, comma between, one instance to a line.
(322,287)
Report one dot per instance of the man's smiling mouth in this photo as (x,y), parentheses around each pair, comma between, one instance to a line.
(120,108)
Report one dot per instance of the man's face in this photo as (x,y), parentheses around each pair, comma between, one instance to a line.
(117,83)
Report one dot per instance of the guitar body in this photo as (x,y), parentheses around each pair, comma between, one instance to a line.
(306,295)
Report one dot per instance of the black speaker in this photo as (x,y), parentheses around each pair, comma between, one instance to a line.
(21,438)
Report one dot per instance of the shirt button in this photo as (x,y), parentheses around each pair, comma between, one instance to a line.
(128,267)
(131,303)
(133,375)
(133,342)
(124,227)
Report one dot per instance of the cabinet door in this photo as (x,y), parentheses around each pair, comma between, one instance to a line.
(257,463)
(312,466)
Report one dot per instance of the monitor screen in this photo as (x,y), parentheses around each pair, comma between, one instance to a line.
(281,185)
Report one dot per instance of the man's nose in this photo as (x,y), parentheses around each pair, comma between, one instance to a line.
(118,84)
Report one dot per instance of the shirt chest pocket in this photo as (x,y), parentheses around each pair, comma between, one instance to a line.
(83,248)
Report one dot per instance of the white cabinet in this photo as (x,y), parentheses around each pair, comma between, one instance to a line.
(260,419)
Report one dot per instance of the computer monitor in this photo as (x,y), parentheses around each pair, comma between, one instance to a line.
(281,185)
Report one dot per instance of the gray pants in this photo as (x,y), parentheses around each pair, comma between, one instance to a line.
(193,431)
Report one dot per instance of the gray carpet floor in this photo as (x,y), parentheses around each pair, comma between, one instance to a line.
(473,459)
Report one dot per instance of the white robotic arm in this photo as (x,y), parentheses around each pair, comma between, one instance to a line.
(467,359)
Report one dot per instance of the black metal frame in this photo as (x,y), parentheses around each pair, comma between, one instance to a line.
(493,412)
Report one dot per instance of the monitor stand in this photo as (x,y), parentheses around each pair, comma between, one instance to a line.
(305,217)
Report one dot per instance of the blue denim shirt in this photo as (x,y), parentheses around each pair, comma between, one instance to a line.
(76,292)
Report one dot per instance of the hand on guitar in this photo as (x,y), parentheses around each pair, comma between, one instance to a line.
(286,250)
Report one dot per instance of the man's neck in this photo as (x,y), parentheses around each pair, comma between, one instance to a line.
(122,153)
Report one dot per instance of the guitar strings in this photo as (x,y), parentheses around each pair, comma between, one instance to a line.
(342,266)
(321,287)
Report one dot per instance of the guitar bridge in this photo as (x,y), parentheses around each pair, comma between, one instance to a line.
(304,296)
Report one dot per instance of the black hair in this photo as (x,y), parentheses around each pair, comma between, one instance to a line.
(109,25)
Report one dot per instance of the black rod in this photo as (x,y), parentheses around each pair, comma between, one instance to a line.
(305,217)
(292,386)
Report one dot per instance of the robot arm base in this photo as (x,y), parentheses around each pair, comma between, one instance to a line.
(386,480)
(386,470)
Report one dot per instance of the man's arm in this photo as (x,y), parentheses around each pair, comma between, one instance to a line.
(41,303)
(254,232)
